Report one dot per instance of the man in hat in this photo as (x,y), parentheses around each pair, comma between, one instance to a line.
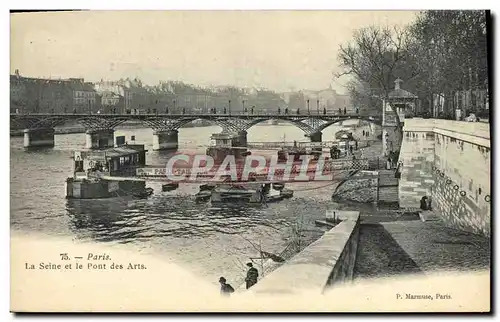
(225,288)
(252,276)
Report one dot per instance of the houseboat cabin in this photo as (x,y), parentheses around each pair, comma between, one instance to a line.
(224,144)
(120,161)
(103,173)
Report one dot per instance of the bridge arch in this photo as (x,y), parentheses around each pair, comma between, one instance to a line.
(306,128)
(225,124)
(328,123)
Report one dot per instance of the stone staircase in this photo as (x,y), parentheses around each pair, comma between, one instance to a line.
(387,187)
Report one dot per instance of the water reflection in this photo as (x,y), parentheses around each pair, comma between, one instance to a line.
(180,216)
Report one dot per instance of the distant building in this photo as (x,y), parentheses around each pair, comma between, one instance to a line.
(114,95)
(18,102)
(325,98)
(39,95)
(84,96)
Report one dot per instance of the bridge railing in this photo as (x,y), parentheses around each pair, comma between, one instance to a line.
(188,113)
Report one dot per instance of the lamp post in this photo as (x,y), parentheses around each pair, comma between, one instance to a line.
(229,107)
(308,112)
(317,106)
(175,106)
(243,102)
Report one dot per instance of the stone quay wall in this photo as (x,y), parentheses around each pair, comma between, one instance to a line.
(449,161)
(328,261)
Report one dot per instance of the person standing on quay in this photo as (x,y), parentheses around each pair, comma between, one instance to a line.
(225,288)
(252,276)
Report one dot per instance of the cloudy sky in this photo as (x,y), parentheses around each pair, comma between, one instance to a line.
(274,49)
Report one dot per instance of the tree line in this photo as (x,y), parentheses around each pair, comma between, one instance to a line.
(442,57)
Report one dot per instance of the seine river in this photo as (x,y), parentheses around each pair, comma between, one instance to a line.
(208,241)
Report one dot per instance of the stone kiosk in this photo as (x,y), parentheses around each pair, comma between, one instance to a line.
(404,103)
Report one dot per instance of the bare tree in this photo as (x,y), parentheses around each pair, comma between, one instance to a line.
(375,56)
(363,97)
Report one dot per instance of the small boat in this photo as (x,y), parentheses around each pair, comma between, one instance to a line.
(286,193)
(283,194)
(169,186)
(144,194)
(207,187)
(203,195)
(278,186)
(246,193)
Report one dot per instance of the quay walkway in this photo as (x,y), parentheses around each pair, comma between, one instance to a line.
(391,244)
(388,244)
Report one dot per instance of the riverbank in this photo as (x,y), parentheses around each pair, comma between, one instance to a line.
(362,186)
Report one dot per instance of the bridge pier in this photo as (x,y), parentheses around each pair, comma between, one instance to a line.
(165,140)
(315,137)
(99,139)
(43,137)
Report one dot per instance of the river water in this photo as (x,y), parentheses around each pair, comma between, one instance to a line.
(206,240)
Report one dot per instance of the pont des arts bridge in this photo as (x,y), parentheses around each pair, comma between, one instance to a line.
(39,127)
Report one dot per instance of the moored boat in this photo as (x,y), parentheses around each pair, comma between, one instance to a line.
(203,195)
(144,194)
(278,186)
(169,187)
(244,192)
(207,187)
(286,193)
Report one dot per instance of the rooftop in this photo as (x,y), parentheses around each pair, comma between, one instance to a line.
(398,92)
(111,153)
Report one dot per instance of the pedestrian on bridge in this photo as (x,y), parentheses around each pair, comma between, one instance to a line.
(183,110)
(324,110)
(252,109)
(340,111)
(345,111)
(166,110)
(252,276)
(279,110)
(224,110)
(246,110)
(298,111)
(286,110)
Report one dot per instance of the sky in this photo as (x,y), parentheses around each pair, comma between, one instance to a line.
(278,50)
